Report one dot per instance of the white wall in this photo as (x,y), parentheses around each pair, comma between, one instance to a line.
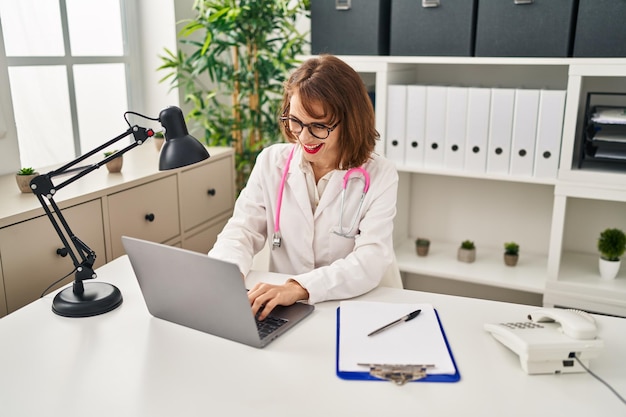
(156,31)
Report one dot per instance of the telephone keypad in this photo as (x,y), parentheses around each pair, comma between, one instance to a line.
(522,325)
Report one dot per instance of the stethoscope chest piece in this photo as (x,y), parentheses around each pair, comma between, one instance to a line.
(277,240)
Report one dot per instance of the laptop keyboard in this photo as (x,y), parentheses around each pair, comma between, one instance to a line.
(269,325)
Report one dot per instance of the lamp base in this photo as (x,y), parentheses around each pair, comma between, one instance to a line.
(98,298)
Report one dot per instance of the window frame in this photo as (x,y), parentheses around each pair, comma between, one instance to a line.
(130,60)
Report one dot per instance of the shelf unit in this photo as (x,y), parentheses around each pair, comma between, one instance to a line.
(556,221)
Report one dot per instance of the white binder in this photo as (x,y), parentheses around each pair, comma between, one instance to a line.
(549,132)
(524,132)
(435,126)
(500,130)
(415,125)
(456,124)
(477,129)
(396,123)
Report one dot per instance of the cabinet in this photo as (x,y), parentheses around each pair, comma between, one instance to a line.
(556,221)
(186,207)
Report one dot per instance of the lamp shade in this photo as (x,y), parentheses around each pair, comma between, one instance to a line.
(180,148)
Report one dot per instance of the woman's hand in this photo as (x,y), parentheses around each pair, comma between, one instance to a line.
(264,297)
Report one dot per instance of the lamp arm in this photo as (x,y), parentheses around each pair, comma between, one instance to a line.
(84,265)
(44,183)
(83,257)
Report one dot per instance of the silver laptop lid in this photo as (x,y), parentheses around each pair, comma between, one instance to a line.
(203,293)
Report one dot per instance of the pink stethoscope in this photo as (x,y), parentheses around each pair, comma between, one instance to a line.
(277,238)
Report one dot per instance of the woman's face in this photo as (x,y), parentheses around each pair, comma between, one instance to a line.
(323,153)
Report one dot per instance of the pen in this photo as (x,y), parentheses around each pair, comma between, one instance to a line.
(408,317)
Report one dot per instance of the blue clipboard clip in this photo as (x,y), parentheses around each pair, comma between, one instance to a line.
(398,374)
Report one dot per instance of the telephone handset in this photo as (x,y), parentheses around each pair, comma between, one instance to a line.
(551,341)
(576,324)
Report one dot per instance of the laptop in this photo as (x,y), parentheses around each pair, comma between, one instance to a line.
(206,294)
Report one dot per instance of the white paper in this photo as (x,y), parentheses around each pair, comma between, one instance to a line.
(416,342)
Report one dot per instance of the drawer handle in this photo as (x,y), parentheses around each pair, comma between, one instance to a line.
(62,252)
(211,191)
(150,217)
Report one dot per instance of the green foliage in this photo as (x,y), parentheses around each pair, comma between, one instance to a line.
(109,153)
(467,244)
(26,171)
(511,248)
(422,242)
(246,49)
(612,244)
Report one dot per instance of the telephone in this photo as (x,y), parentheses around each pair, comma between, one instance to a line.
(550,340)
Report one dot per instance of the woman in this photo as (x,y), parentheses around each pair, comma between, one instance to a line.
(332,247)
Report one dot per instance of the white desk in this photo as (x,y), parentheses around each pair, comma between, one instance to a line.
(130,364)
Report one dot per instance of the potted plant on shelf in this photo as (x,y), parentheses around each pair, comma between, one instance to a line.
(611,244)
(421,246)
(23,178)
(511,253)
(467,252)
(115,164)
(246,49)
(158,139)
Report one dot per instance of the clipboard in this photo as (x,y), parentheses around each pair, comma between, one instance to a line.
(397,372)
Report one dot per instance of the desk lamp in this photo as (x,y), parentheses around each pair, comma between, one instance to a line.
(93,298)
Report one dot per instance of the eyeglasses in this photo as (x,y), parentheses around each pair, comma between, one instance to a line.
(317,130)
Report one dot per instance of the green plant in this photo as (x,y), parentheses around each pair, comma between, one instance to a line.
(467,244)
(422,242)
(511,248)
(109,153)
(612,244)
(26,171)
(247,48)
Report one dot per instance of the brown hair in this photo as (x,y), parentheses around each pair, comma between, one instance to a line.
(337,88)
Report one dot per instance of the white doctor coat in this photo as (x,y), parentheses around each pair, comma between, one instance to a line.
(328,266)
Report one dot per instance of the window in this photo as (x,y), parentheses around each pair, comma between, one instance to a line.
(68,65)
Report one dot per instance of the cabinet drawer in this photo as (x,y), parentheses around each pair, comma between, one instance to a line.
(203,240)
(29,252)
(206,191)
(149,211)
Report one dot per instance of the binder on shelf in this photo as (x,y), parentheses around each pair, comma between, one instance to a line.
(456,124)
(435,126)
(477,129)
(415,125)
(524,132)
(549,133)
(396,123)
(415,350)
(500,130)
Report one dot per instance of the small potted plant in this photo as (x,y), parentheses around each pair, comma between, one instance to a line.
(115,164)
(467,252)
(511,253)
(611,245)
(421,246)
(23,178)
(159,139)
